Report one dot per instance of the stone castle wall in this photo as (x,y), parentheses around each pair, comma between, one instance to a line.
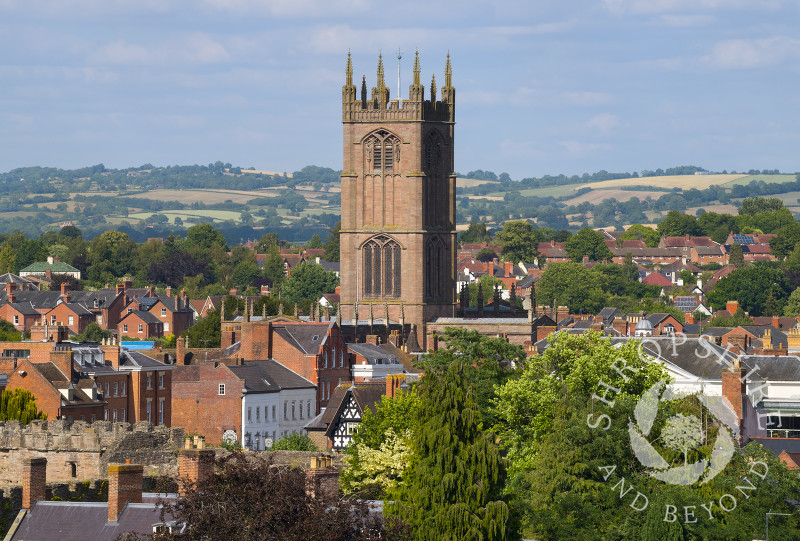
(77,451)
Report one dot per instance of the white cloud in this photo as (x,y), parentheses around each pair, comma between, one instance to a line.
(660,6)
(580,148)
(754,53)
(194,48)
(605,123)
(588,99)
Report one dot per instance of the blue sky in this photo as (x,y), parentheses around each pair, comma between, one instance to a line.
(542,87)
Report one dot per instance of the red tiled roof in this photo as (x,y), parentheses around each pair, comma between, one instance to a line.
(655,279)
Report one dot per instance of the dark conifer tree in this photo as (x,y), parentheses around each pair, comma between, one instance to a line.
(453,489)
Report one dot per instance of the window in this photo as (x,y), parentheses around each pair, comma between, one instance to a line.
(285,410)
(123,389)
(325,353)
(249,415)
(308,409)
(161,411)
(115,416)
(381,268)
(163,312)
(116,388)
(52,320)
(293,414)
(166,327)
(149,410)
(149,381)
(341,358)
(130,310)
(381,151)
(221,389)
(161,381)
(141,328)
(122,415)
(94,418)
(301,409)
(73,469)
(258,414)
(435,264)
(71,320)
(16,320)
(124,327)
(106,415)
(273,412)
(107,393)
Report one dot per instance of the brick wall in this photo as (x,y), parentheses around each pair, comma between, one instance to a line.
(124,486)
(197,405)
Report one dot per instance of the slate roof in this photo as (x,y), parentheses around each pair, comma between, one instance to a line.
(147,317)
(269,376)
(527,282)
(44,266)
(777,445)
(780,368)
(302,335)
(25,308)
(778,338)
(137,359)
(9,278)
(373,353)
(49,520)
(699,359)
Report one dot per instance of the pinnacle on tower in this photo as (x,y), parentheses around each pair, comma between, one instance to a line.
(433,89)
(382,98)
(349,71)
(448,73)
(416,68)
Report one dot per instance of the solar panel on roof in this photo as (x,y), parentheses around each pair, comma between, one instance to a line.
(743,239)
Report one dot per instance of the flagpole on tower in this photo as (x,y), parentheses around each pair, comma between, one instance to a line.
(399,93)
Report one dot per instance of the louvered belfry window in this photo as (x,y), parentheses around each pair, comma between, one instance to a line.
(382,269)
(382,151)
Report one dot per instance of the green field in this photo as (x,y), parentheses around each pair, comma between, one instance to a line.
(769,179)
(216,215)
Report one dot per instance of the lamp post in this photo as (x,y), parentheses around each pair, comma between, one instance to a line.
(767,518)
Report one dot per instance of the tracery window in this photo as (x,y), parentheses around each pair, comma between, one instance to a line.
(382,269)
(434,266)
(433,151)
(382,151)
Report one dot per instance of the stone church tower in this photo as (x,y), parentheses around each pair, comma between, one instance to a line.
(398,236)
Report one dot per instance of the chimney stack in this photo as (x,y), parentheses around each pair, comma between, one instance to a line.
(169,291)
(322,478)
(195,465)
(776,322)
(732,306)
(734,387)
(124,487)
(34,478)
(63,360)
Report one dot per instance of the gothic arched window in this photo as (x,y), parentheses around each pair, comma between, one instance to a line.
(382,272)
(382,151)
(433,151)
(434,266)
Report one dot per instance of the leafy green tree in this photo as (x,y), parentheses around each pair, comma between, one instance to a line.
(489,362)
(792,306)
(6,259)
(315,242)
(453,488)
(294,442)
(641,232)
(332,244)
(19,405)
(94,333)
(476,233)
(519,241)
(203,237)
(751,286)
(308,281)
(736,255)
(380,451)
(788,238)
(9,333)
(677,224)
(486,254)
(571,285)
(587,242)
(206,333)
(754,205)
(111,255)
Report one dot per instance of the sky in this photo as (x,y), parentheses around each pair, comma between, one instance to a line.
(542,87)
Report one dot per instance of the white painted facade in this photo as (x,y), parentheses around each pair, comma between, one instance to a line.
(260,425)
(296,408)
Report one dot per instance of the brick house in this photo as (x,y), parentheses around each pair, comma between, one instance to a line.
(20,314)
(71,314)
(59,391)
(175,314)
(140,324)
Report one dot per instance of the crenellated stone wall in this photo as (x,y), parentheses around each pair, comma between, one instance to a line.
(78,451)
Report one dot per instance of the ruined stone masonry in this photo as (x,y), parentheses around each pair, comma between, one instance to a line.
(78,451)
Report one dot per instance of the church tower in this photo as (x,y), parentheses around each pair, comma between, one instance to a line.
(398,236)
